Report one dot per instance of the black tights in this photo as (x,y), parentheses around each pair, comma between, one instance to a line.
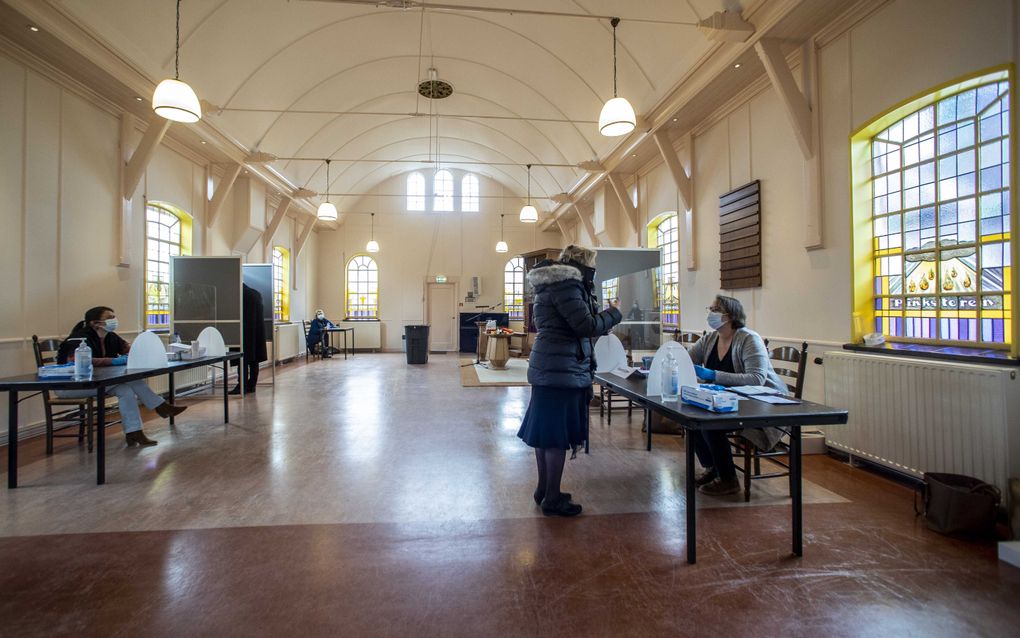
(550,470)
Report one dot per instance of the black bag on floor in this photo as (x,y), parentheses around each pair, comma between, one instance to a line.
(954,503)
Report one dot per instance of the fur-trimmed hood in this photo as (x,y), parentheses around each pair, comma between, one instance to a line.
(554,273)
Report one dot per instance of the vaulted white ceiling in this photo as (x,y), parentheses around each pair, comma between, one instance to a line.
(527,88)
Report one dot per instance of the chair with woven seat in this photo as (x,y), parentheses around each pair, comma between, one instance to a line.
(62,413)
(790,364)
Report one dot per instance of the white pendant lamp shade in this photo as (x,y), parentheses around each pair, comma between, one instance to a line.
(529,214)
(372,246)
(176,101)
(501,247)
(617,117)
(326,212)
(173,99)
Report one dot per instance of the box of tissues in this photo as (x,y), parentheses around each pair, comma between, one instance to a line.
(711,400)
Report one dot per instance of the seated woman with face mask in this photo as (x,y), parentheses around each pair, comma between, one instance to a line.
(317,333)
(732,354)
(109,349)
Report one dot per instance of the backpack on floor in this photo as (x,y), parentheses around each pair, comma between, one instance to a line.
(954,503)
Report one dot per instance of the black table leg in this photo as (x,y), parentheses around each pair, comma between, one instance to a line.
(226,402)
(170,396)
(100,435)
(795,491)
(12,439)
(648,428)
(345,345)
(587,433)
(692,491)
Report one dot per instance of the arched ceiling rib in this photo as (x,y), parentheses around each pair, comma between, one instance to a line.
(336,57)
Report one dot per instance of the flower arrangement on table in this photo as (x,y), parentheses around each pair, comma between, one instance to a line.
(499,331)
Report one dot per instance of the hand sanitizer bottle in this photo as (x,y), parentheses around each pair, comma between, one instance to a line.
(669,375)
(83,360)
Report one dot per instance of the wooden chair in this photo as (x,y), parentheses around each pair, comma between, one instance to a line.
(314,350)
(686,338)
(68,412)
(790,364)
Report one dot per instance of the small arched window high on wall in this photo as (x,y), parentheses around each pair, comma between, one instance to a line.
(167,234)
(442,191)
(362,288)
(513,288)
(931,207)
(281,287)
(662,233)
(469,200)
(415,191)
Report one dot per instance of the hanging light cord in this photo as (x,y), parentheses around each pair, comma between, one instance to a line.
(614,22)
(529,184)
(326,194)
(177,45)
(373,227)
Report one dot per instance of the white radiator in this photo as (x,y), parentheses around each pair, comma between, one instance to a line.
(182,380)
(917,416)
(289,341)
(367,334)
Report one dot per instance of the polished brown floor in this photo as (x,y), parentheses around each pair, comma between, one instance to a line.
(369,498)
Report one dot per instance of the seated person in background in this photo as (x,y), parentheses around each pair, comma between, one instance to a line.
(108,349)
(635,314)
(317,333)
(732,354)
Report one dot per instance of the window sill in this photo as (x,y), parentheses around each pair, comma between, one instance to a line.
(963,354)
(360,319)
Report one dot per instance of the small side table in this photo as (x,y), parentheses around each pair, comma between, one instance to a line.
(481,349)
(498,351)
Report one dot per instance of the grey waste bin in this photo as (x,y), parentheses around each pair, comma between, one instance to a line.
(417,340)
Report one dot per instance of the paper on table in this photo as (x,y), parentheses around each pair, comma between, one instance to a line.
(753,389)
(772,398)
(626,372)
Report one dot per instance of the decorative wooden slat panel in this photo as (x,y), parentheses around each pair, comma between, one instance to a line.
(740,237)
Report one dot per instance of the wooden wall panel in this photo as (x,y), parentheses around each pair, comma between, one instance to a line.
(740,237)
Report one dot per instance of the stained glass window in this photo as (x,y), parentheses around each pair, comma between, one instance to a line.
(610,290)
(362,288)
(167,234)
(281,277)
(415,191)
(442,191)
(667,275)
(513,288)
(940,220)
(469,194)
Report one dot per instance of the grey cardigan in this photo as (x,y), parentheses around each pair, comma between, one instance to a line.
(752,367)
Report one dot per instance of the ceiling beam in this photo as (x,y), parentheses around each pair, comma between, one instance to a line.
(681,176)
(142,155)
(274,223)
(795,105)
(302,239)
(220,195)
(586,221)
(625,201)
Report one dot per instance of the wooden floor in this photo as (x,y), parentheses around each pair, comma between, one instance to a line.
(371,498)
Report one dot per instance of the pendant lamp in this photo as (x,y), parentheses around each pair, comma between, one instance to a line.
(372,246)
(173,99)
(327,211)
(529,214)
(501,246)
(617,116)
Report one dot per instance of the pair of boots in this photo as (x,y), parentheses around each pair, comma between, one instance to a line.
(164,410)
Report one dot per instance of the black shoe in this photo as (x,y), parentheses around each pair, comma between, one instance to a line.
(560,507)
(540,494)
(706,477)
(721,487)
(236,390)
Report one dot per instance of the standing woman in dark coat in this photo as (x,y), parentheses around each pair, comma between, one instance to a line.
(561,368)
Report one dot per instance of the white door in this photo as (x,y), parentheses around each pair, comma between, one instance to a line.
(442,318)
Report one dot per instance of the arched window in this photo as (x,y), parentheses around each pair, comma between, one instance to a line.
(610,290)
(662,233)
(931,209)
(167,234)
(415,191)
(281,281)
(513,288)
(442,191)
(469,194)
(362,288)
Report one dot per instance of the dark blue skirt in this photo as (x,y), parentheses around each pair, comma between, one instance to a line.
(556,418)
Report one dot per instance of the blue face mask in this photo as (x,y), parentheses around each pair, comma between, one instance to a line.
(715,320)
(111,325)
